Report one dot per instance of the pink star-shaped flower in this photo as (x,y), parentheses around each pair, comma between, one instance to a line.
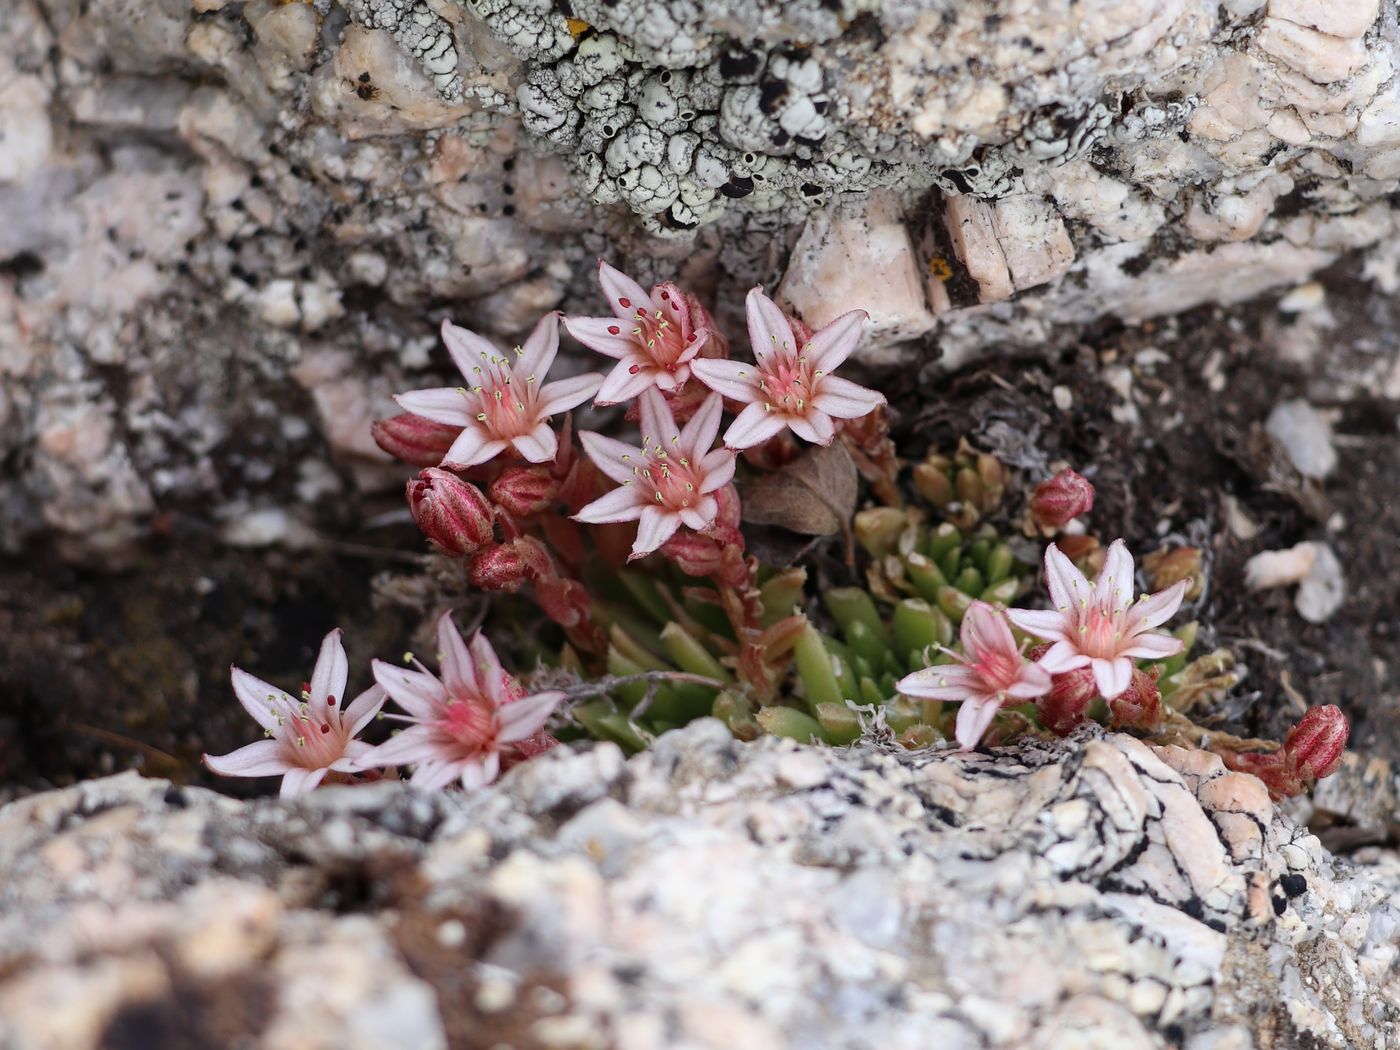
(670,481)
(462,723)
(1098,624)
(791,384)
(991,672)
(308,739)
(506,403)
(654,336)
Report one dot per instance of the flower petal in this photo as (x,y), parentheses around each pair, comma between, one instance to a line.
(417,692)
(412,746)
(655,527)
(564,394)
(475,774)
(441,404)
(265,702)
(814,426)
(845,400)
(1113,676)
(833,343)
(985,631)
(737,380)
(1043,623)
(1034,681)
(300,781)
(623,384)
(1155,610)
(621,504)
(525,717)
(768,325)
(490,675)
(701,516)
(362,710)
(539,445)
(350,761)
(434,776)
(617,459)
(466,347)
(597,333)
(330,674)
(698,436)
(1115,581)
(625,296)
(1069,588)
(754,426)
(541,347)
(474,446)
(1063,656)
(717,468)
(454,658)
(696,340)
(943,682)
(658,424)
(974,716)
(262,758)
(1150,645)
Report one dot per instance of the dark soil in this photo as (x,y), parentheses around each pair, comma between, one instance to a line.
(101,672)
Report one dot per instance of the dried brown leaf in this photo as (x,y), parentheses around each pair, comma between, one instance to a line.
(814,495)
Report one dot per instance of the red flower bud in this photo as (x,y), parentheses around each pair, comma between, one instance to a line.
(1071,693)
(1317,742)
(1312,750)
(1140,705)
(524,491)
(413,439)
(507,566)
(522,750)
(1062,498)
(451,512)
(563,600)
(694,555)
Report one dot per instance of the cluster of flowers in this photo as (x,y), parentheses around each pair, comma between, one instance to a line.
(506,489)
(1095,631)
(466,726)
(496,469)
(674,363)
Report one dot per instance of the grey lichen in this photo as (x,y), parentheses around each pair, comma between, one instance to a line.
(678,109)
(421,32)
(683,108)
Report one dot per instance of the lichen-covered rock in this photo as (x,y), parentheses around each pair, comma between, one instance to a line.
(197,197)
(1094,892)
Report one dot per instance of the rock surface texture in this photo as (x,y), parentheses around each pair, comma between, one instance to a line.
(1089,893)
(231,227)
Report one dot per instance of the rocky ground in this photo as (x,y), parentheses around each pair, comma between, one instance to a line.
(1153,240)
(1096,894)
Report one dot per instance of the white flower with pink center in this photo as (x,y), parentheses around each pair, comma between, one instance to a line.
(669,481)
(791,384)
(1098,624)
(307,739)
(462,722)
(654,336)
(990,673)
(506,402)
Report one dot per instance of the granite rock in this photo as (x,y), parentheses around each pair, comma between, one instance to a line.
(1085,893)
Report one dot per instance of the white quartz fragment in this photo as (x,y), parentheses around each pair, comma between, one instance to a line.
(1306,435)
